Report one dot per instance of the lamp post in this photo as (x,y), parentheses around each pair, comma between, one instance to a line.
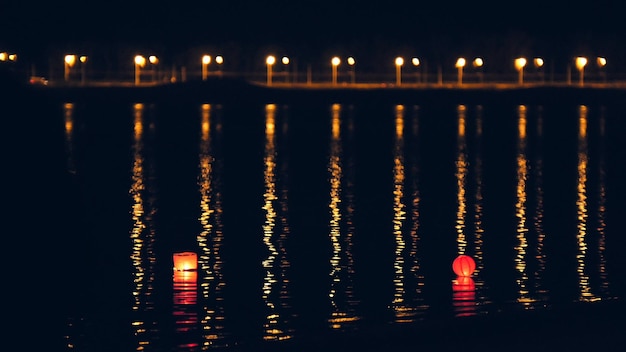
(460,63)
(416,62)
(83,64)
(335,61)
(478,64)
(351,63)
(219,60)
(154,61)
(70,60)
(601,61)
(581,62)
(520,62)
(206,60)
(538,62)
(399,62)
(269,61)
(285,61)
(140,62)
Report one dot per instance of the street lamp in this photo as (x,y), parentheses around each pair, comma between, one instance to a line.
(335,61)
(601,61)
(140,62)
(538,62)
(154,61)
(70,60)
(478,64)
(352,62)
(270,60)
(206,60)
(285,61)
(580,65)
(83,64)
(219,60)
(520,62)
(416,62)
(460,63)
(399,63)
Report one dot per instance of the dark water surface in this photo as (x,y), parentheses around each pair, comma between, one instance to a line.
(312,221)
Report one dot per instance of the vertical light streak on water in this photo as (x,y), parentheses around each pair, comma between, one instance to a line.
(407,284)
(68,109)
(539,210)
(585,293)
(340,293)
(185,299)
(604,280)
(210,238)
(521,248)
(415,209)
(399,215)
(461,175)
(275,322)
(478,204)
(142,239)
(283,259)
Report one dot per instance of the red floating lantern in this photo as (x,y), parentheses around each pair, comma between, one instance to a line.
(185,261)
(463,265)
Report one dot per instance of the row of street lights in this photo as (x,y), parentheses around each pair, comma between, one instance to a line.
(270,61)
(141,61)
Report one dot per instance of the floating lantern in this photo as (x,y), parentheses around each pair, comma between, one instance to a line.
(463,265)
(185,261)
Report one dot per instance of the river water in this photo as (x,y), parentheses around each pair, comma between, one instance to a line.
(314,218)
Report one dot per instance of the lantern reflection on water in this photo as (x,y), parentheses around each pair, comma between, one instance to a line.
(464,296)
(463,265)
(185,261)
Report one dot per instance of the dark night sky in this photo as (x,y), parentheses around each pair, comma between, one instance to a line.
(314,25)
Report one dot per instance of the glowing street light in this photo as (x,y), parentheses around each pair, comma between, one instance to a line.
(270,60)
(581,62)
(399,62)
(538,62)
(83,64)
(335,61)
(154,61)
(140,62)
(416,62)
(219,60)
(478,63)
(460,63)
(70,60)
(601,61)
(351,63)
(520,63)
(285,61)
(206,60)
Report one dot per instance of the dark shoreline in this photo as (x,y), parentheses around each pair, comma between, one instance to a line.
(238,91)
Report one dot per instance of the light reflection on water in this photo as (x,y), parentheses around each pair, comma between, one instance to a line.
(211,236)
(341,229)
(407,298)
(276,290)
(199,308)
(143,237)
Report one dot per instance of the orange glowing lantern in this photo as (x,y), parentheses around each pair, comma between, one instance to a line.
(185,261)
(463,265)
